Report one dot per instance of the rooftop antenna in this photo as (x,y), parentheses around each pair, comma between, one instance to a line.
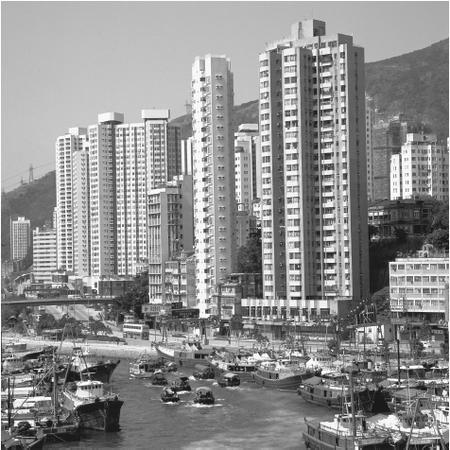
(30,174)
(22,182)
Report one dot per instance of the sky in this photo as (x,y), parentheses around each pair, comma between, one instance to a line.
(63,63)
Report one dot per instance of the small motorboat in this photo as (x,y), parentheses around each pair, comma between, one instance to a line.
(229,379)
(204,396)
(181,385)
(158,379)
(168,395)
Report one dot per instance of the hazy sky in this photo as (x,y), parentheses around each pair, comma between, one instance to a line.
(65,62)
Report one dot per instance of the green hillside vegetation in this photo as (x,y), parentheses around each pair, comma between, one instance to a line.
(416,84)
(35,201)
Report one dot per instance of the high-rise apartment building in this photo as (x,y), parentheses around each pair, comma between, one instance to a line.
(81,203)
(44,254)
(314,198)
(20,238)
(131,197)
(420,169)
(102,184)
(170,230)
(370,119)
(74,142)
(162,143)
(213,157)
(247,157)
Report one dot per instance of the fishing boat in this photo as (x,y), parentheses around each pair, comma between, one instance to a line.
(168,395)
(334,391)
(204,396)
(82,364)
(282,374)
(145,366)
(345,432)
(181,385)
(242,365)
(95,409)
(22,437)
(229,380)
(188,355)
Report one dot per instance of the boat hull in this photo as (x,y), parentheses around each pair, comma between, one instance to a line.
(245,375)
(183,359)
(102,415)
(288,383)
(99,372)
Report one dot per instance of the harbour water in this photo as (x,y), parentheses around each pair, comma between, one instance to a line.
(244,417)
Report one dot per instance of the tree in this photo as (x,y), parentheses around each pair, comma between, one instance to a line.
(46,322)
(236,324)
(249,255)
(333,347)
(97,326)
(438,239)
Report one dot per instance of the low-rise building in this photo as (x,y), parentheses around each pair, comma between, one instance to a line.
(411,215)
(418,286)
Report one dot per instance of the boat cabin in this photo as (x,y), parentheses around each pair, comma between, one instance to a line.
(89,389)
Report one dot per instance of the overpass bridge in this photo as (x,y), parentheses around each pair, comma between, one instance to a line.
(57,301)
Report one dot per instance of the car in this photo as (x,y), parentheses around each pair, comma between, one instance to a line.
(179,335)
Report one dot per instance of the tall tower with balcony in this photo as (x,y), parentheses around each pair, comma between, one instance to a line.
(314,195)
(213,175)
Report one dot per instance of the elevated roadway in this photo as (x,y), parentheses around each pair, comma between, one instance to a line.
(56,301)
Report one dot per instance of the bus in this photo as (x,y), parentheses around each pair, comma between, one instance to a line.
(135,330)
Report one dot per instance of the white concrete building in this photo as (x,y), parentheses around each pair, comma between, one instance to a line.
(418,286)
(131,197)
(170,230)
(44,254)
(213,163)
(66,146)
(313,148)
(81,203)
(102,176)
(420,169)
(162,143)
(20,238)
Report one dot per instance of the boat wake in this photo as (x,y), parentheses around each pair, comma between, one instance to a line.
(197,405)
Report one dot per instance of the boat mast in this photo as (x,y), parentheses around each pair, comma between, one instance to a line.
(352,404)
(54,385)
(9,402)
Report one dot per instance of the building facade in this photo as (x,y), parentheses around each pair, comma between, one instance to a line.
(370,119)
(412,216)
(20,238)
(387,139)
(418,286)
(247,158)
(44,254)
(179,280)
(213,165)
(420,169)
(313,148)
(68,145)
(170,230)
(102,183)
(131,197)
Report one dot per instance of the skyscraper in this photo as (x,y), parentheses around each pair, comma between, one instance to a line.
(131,197)
(20,238)
(66,146)
(102,177)
(44,253)
(314,199)
(213,156)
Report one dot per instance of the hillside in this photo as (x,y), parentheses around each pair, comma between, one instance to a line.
(35,201)
(414,83)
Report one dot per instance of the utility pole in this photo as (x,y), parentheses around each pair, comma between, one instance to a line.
(30,174)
